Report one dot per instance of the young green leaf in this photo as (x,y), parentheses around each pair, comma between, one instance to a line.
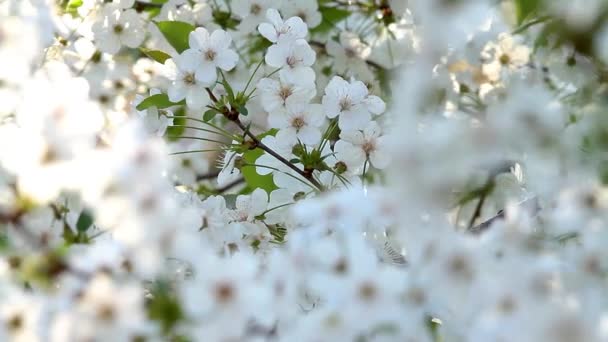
(331,16)
(243,110)
(209,115)
(176,33)
(524,9)
(156,55)
(252,178)
(84,222)
(159,101)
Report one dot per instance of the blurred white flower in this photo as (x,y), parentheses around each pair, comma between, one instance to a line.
(115,28)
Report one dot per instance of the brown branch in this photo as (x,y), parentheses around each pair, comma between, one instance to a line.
(529,204)
(230,185)
(260,144)
(233,115)
(207,176)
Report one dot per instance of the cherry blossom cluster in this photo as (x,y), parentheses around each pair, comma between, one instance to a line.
(303,170)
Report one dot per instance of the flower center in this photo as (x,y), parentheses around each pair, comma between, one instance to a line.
(368,147)
(189,79)
(118,29)
(367,291)
(15,323)
(297,123)
(210,55)
(350,53)
(345,104)
(504,59)
(302,15)
(255,9)
(291,61)
(224,292)
(285,92)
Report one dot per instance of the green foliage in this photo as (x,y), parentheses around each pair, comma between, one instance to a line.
(225,19)
(159,101)
(525,9)
(210,114)
(258,44)
(164,307)
(331,16)
(434,325)
(72,6)
(84,222)
(176,33)
(252,178)
(156,55)
(175,131)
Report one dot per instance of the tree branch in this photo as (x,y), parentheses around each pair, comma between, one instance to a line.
(280,158)
(233,115)
(529,204)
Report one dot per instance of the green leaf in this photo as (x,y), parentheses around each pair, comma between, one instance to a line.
(84,222)
(228,89)
(159,101)
(252,178)
(258,44)
(331,16)
(524,9)
(156,55)
(243,110)
(72,6)
(209,115)
(176,33)
(175,131)
(164,307)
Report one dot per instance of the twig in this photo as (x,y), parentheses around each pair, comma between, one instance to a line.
(230,185)
(207,176)
(233,115)
(260,144)
(531,204)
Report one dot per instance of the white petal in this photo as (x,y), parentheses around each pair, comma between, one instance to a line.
(375,104)
(220,40)
(356,119)
(357,91)
(198,38)
(372,130)
(197,98)
(309,135)
(227,59)
(177,91)
(303,74)
(299,29)
(276,55)
(287,136)
(206,73)
(274,17)
(354,137)
(331,106)
(267,31)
